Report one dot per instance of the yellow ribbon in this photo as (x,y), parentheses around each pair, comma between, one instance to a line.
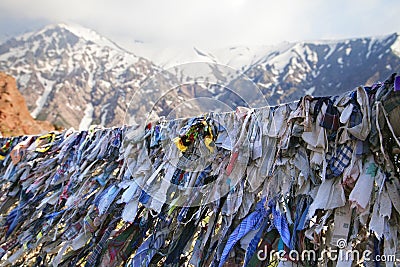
(179,144)
(41,145)
(209,143)
(5,148)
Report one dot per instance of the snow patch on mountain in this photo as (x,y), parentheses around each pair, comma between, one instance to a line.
(309,91)
(332,48)
(87,117)
(104,112)
(396,46)
(41,101)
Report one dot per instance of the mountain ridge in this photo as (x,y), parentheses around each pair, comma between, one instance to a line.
(222,53)
(73,76)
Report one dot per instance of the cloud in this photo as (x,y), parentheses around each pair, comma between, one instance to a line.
(211,23)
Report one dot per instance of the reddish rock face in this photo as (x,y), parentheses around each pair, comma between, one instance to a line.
(15,118)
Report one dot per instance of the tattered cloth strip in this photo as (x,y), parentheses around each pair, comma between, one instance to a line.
(218,190)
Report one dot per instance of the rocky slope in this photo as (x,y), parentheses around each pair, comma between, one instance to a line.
(15,118)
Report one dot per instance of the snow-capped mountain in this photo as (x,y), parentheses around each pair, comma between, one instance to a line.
(325,67)
(72,76)
(237,57)
(287,71)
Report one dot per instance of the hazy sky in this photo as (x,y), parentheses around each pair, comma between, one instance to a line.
(207,23)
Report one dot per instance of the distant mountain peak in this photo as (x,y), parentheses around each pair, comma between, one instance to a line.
(66,70)
(77,30)
(396,45)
